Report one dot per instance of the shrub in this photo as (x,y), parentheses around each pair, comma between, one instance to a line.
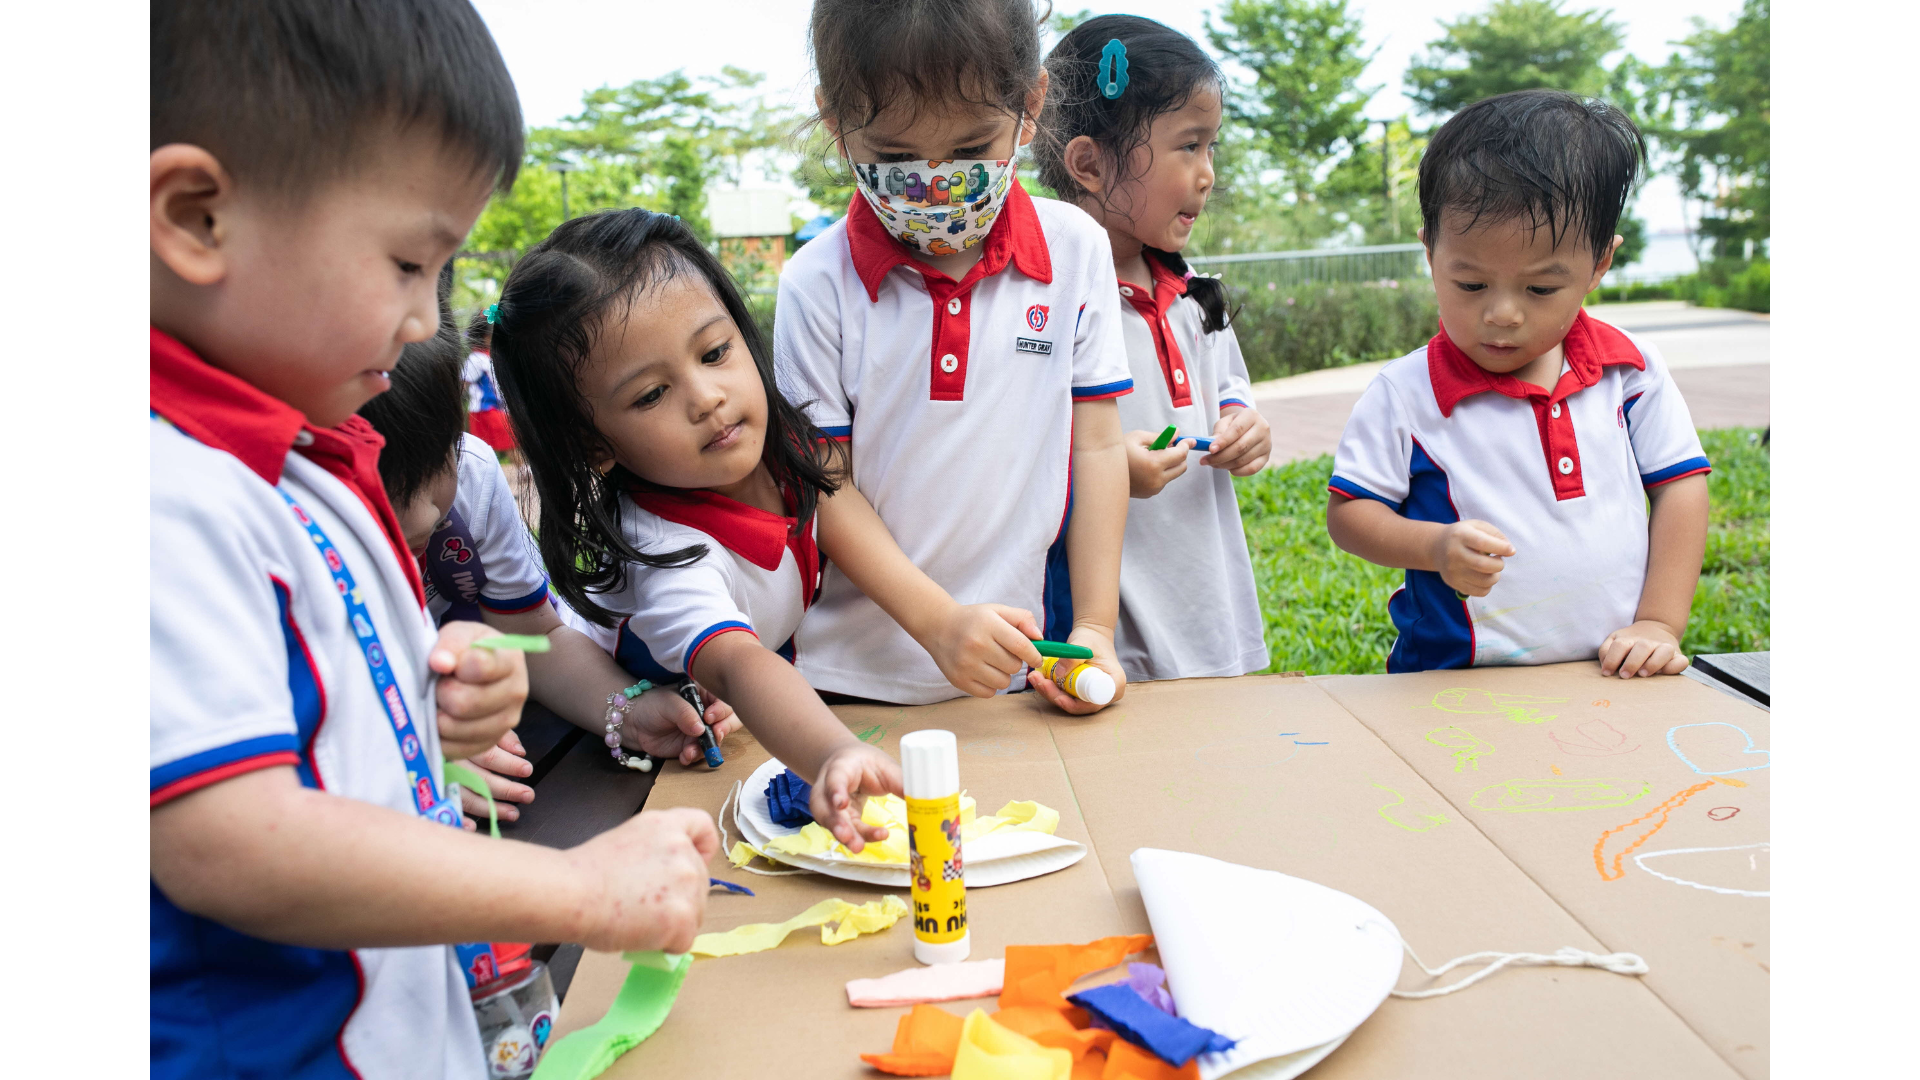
(1721,283)
(1286,330)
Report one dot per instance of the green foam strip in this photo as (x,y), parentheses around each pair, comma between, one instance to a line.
(636,1013)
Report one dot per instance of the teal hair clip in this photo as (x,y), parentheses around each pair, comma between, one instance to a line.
(1113,69)
(493,314)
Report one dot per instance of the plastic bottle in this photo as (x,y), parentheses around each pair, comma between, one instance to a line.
(1079,678)
(930,769)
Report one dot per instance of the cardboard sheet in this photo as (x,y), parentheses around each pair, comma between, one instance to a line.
(1640,806)
(1265,771)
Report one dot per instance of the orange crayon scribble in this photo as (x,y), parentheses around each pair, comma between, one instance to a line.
(1557,772)
(1664,810)
(1601,703)
(1730,781)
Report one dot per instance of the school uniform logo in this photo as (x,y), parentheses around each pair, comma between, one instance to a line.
(1033,345)
(1037,317)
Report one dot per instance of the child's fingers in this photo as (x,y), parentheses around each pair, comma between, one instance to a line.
(1658,659)
(1483,539)
(1019,618)
(496,760)
(1677,664)
(1059,698)
(511,743)
(1636,657)
(1612,651)
(681,714)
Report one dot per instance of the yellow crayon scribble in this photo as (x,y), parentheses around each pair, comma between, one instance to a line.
(1467,747)
(1556,796)
(1557,772)
(1730,781)
(1426,821)
(1514,707)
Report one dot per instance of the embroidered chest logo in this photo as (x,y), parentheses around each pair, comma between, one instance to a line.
(1037,317)
(456,550)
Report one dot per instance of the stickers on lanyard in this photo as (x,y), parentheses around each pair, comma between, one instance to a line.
(420,772)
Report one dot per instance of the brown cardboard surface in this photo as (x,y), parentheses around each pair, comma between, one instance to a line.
(1708,951)
(1220,767)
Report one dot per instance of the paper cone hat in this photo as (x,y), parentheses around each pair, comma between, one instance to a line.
(1286,966)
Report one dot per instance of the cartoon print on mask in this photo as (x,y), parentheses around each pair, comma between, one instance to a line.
(959,224)
(910,241)
(985,219)
(896,181)
(958,182)
(937,191)
(976,181)
(915,191)
(939,246)
(971,240)
(872,176)
(959,201)
(937,162)
(919,226)
(937,218)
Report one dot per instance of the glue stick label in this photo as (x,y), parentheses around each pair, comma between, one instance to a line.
(1062,672)
(939,883)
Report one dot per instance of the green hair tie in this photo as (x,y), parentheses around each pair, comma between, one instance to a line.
(493,314)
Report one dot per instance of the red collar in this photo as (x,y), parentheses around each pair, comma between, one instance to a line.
(1016,237)
(1168,288)
(748,531)
(232,415)
(1590,345)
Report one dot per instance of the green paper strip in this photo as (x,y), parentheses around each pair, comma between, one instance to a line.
(523,642)
(473,781)
(637,1012)
(1063,650)
(1165,438)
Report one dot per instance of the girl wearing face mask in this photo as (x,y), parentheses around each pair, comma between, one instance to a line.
(1130,129)
(963,345)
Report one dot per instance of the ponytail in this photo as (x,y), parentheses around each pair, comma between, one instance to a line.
(1210,293)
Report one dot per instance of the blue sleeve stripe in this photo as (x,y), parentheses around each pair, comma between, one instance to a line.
(1675,472)
(1112,389)
(1626,408)
(207,760)
(1224,402)
(517,604)
(1340,485)
(700,640)
(843,431)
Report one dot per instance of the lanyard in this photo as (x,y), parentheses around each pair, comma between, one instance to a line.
(420,773)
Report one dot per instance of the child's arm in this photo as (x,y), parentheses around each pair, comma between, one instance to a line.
(268,857)
(793,723)
(1676,544)
(1149,471)
(1242,440)
(1468,555)
(979,647)
(1094,537)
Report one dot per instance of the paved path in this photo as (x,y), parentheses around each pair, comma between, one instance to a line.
(1719,358)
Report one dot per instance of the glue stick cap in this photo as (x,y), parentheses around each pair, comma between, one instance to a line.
(929,764)
(1093,685)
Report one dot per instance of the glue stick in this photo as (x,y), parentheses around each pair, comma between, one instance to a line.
(930,768)
(1079,678)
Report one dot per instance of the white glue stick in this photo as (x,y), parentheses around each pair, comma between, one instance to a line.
(1079,678)
(930,769)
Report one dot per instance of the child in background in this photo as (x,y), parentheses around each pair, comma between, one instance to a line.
(312,166)
(1135,150)
(968,353)
(677,487)
(1509,464)
(485,417)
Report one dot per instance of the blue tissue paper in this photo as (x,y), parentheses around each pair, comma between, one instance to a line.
(787,797)
(1134,1018)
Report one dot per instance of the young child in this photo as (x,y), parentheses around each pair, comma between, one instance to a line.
(967,351)
(1509,464)
(312,166)
(677,487)
(485,417)
(1136,153)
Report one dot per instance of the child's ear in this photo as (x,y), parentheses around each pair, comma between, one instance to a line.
(827,119)
(1082,159)
(1036,98)
(1605,264)
(191,196)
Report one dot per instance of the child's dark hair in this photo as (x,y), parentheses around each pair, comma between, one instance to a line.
(425,410)
(288,93)
(873,53)
(1546,156)
(554,306)
(479,333)
(1164,69)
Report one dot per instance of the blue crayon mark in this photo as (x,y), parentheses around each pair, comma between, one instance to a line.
(1297,742)
(1766,758)
(729,886)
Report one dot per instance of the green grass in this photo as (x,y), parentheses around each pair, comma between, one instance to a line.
(1326,610)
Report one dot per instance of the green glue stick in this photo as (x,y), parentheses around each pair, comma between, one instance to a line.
(1062,650)
(524,642)
(1165,437)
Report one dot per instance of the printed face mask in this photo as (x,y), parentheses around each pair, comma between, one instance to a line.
(939,207)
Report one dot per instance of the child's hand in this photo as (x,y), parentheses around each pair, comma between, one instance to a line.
(981,647)
(1150,470)
(1469,556)
(1645,648)
(848,776)
(1103,658)
(663,724)
(1242,442)
(507,758)
(480,691)
(648,880)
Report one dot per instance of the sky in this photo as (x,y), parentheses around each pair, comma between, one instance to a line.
(558,49)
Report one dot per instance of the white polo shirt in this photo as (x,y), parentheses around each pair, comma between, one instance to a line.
(482,558)
(255,665)
(757,576)
(482,390)
(1188,604)
(1563,474)
(958,401)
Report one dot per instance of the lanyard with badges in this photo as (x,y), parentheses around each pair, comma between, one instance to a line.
(420,773)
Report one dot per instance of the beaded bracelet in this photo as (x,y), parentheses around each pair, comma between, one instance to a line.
(617,705)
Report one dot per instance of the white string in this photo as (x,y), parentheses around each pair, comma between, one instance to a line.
(726,844)
(1567,956)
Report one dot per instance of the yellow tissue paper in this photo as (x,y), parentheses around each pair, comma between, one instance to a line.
(848,922)
(989,1051)
(891,811)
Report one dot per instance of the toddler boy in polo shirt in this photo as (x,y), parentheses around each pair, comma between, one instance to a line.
(1510,464)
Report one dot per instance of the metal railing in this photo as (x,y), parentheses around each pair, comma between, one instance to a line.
(1279,269)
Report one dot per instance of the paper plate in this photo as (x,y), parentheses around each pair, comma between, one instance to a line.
(1288,967)
(995,859)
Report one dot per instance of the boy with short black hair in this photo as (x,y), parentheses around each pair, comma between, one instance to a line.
(1508,465)
(313,164)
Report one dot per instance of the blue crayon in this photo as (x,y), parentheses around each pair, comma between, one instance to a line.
(708,745)
(1205,446)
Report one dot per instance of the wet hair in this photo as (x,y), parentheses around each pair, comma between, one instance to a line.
(558,300)
(424,412)
(927,53)
(1164,69)
(289,94)
(1550,158)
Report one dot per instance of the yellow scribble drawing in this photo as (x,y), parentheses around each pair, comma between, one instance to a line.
(1421,822)
(1557,795)
(1515,707)
(1467,747)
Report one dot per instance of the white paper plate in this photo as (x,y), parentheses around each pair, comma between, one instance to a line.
(995,859)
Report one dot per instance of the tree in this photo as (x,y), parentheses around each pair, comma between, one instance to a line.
(1304,104)
(1513,45)
(1384,212)
(1711,107)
